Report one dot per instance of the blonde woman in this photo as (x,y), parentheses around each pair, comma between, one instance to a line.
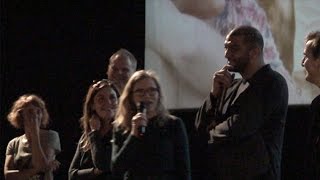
(160,152)
(32,155)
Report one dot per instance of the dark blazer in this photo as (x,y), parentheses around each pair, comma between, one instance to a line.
(312,160)
(161,154)
(99,156)
(246,140)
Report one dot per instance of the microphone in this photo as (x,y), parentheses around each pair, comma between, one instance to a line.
(141,107)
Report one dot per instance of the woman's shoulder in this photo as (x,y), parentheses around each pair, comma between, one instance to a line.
(173,120)
(174,123)
(13,144)
(16,140)
(51,138)
(49,133)
(171,117)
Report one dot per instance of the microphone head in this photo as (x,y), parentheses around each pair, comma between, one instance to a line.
(141,107)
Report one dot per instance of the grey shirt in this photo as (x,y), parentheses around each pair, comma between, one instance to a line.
(20,149)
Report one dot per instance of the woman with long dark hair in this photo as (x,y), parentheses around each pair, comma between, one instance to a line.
(93,155)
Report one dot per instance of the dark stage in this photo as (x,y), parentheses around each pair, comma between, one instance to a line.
(56,49)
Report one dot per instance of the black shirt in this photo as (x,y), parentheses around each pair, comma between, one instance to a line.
(162,153)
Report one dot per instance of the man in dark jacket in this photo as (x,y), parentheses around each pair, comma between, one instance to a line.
(243,119)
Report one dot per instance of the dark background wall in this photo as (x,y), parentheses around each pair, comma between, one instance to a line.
(56,49)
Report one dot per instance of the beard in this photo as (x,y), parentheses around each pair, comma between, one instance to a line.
(240,64)
(308,77)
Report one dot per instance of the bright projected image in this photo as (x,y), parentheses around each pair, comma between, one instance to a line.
(185,43)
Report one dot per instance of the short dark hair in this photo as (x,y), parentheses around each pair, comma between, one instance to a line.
(250,35)
(314,36)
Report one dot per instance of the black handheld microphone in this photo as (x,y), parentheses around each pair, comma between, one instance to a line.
(141,107)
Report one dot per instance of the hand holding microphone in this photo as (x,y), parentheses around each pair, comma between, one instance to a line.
(142,109)
(139,121)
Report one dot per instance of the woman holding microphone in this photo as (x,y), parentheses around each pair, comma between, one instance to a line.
(148,142)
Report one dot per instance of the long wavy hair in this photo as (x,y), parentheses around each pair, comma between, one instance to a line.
(15,118)
(88,111)
(127,108)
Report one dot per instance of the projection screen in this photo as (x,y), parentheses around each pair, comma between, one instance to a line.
(185,43)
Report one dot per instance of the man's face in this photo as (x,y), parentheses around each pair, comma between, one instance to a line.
(310,63)
(237,53)
(119,70)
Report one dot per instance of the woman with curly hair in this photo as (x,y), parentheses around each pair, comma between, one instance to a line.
(31,155)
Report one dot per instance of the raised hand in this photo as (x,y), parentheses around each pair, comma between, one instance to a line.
(138,120)
(95,123)
(32,117)
(222,79)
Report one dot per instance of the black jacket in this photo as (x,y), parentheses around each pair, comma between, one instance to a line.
(247,139)
(162,153)
(99,156)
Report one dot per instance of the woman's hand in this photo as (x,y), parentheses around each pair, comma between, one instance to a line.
(53,165)
(95,123)
(97,171)
(32,121)
(140,119)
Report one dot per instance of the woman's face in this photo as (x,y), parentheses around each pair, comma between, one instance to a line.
(105,103)
(311,64)
(146,91)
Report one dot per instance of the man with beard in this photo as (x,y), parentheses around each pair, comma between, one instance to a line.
(242,121)
(122,64)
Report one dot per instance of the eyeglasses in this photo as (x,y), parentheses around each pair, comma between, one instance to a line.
(150,91)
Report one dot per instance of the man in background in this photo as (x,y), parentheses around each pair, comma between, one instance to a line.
(122,64)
